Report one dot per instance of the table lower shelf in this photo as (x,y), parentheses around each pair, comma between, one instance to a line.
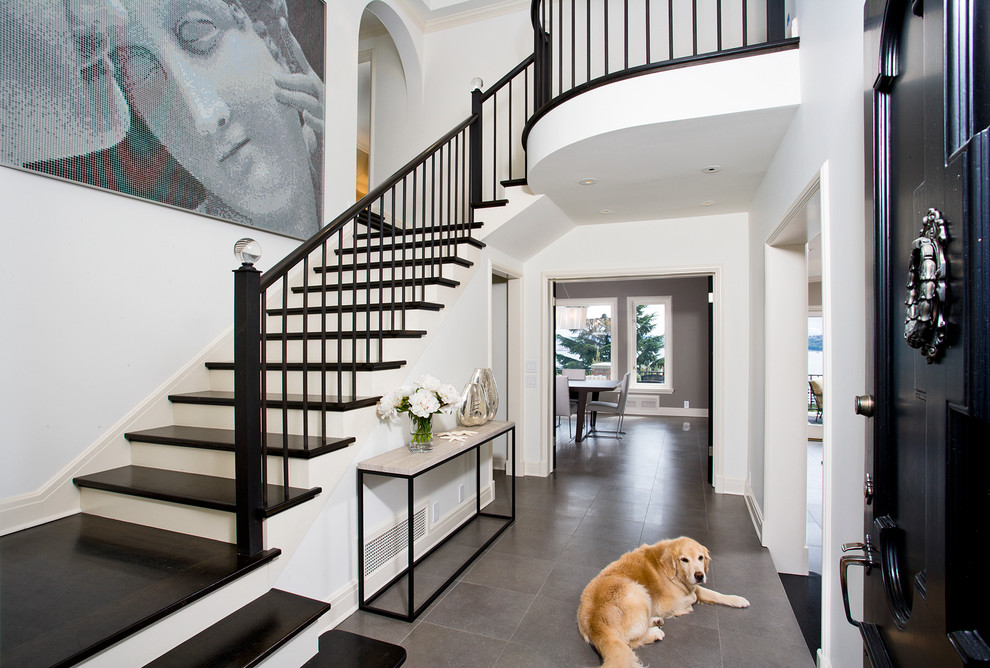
(436,570)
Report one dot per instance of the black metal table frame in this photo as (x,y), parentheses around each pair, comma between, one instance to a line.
(410,568)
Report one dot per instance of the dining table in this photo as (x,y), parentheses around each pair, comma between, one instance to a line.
(582,388)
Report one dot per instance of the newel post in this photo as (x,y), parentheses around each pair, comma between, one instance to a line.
(248,457)
(477,106)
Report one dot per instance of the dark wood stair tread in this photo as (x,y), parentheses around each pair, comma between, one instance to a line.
(489,204)
(399,263)
(386,307)
(248,635)
(294,401)
(223,439)
(510,183)
(362,334)
(342,649)
(419,243)
(384,285)
(77,585)
(390,231)
(191,489)
(315,365)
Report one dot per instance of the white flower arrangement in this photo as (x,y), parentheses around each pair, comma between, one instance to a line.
(424,399)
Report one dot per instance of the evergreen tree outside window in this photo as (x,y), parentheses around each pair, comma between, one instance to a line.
(589,347)
(650,343)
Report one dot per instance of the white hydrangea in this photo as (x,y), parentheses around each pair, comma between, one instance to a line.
(428,382)
(423,403)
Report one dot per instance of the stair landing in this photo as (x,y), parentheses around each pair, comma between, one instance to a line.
(75,586)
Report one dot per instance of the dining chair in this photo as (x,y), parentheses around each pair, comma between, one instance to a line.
(611,407)
(564,406)
(574,374)
(817,391)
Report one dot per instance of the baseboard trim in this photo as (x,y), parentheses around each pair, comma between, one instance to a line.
(734,486)
(669,411)
(822,660)
(539,469)
(755,512)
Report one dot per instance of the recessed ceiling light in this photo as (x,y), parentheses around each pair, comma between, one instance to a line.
(708,202)
(588,182)
(606,211)
(711,169)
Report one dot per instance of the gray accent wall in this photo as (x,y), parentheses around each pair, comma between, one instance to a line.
(689,349)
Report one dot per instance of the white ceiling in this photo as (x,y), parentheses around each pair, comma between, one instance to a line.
(656,172)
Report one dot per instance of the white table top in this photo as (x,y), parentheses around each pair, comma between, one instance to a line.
(402,462)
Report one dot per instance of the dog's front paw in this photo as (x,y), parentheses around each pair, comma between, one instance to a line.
(656,621)
(736,602)
(654,635)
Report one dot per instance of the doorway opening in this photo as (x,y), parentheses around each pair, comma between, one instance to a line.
(659,329)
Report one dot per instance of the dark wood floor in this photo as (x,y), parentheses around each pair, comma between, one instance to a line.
(72,587)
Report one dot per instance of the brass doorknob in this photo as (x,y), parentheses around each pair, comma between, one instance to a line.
(865,405)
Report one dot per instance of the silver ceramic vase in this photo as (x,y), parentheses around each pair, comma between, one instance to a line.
(486,379)
(472,411)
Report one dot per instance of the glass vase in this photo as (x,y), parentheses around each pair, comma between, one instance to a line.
(422,433)
(472,411)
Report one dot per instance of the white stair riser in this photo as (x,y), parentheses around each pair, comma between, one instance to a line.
(331,322)
(361,350)
(218,463)
(213,524)
(369,383)
(222,417)
(142,647)
(314,299)
(303,647)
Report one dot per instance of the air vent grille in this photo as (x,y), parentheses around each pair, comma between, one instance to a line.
(387,545)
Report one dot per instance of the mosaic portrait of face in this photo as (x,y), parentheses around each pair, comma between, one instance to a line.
(204,81)
(58,96)
(209,105)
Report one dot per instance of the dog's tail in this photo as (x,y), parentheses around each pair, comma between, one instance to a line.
(615,652)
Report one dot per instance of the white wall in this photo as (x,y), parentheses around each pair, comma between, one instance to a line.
(649,248)
(105,297)
(827,131)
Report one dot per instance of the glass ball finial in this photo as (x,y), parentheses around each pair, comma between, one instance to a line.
(477,83)
(248,251)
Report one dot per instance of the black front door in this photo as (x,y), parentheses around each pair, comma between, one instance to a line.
(928,513)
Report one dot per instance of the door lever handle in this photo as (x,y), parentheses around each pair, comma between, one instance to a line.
(844,563)
(846,547)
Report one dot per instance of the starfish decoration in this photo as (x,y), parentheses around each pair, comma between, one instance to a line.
(461,436)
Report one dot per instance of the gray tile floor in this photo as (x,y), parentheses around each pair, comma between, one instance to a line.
(516,606)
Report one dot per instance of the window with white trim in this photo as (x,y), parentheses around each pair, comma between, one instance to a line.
(584,337)
(650,343)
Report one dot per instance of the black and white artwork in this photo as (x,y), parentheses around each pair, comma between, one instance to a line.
(214,106)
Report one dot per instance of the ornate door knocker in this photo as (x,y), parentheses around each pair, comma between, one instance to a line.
(924,321)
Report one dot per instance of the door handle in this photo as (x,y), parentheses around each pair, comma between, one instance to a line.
(865,405)
(864,560)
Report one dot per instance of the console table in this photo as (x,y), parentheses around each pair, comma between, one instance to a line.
(400,463)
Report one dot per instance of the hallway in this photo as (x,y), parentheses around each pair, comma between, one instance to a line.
(516,606)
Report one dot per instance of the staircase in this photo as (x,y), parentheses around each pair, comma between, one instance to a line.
(326,348)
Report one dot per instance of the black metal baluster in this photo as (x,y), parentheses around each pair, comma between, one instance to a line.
(605,10)
(625,34)
(323,344)
(285,359)
(573,40)
(649,30)
(588,26)
(670,29)
(745,23)
(718,25)
(694,27)
(380,280)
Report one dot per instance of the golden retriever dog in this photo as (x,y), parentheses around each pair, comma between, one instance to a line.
(624,606)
